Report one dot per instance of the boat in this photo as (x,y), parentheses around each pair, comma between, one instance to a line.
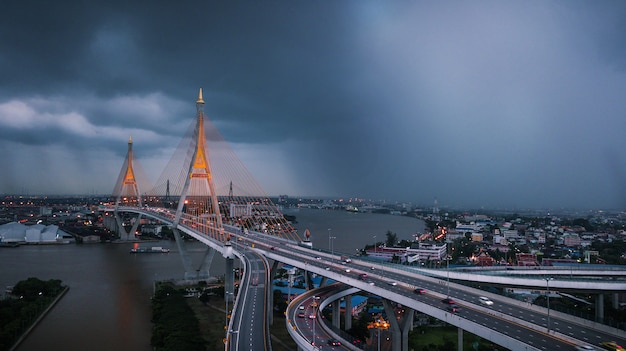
(153,249)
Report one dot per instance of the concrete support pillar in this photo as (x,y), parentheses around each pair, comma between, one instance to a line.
(336,314)
(184,255)
(120,227)
(324,281)
(308,280)
(399,325)
(133,229)
(229,280)
(347,318)
(600,308)
(270,306)
(205,266)
(615,300)
(396,335)
(460,339)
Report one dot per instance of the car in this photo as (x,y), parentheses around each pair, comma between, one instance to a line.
(347,270)
(448,300)
(362,276)
(370,282)
(301,315)
(327,268)
(301,307)
(419,291)
(312,316)
(334,342)
(318,258)
(453,308)
(485,301)
(392,283)
(611,345)
(584,348)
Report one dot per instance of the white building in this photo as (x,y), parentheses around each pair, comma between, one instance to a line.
(35,234)
(422,251)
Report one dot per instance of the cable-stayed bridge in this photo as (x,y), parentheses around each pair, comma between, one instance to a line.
(196,198)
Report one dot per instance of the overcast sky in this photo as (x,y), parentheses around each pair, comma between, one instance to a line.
(476,103)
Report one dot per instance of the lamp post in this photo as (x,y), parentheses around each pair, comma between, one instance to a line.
(226,293)
(330,246)
(375,244)
(448,270)
(380,324)
(313,306)
(548,299)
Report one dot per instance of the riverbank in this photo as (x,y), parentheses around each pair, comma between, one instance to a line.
(21,310)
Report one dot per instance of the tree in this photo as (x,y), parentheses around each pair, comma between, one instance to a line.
(392,238)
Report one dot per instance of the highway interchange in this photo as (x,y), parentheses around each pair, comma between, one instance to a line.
(510,323)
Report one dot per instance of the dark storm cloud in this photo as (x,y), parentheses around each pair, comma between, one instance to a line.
(475,103)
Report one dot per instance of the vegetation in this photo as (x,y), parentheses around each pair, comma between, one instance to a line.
(445,339)
(29,299)
(175,324)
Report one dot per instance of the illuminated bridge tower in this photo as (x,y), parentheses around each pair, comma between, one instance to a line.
(127,193)
(198,205)
(198,200)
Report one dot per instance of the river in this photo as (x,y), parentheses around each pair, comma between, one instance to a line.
(108,304)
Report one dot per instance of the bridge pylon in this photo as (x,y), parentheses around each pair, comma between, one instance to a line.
(198,205)
(127,193)
(198,201)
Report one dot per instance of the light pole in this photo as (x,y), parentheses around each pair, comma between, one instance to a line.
(375,244)
(330,246)
(548,299)
(448,270)
(226,293)
(313,305)
(378,323)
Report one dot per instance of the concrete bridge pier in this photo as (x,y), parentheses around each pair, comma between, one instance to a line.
(324,281)
(400,325)
(348,315)
(229,281)
(120,227)
(615,300)
(308,280)
(190,273)
(205,265)
(600,308)
(229,274)
(460,339)
(270,302)
(336,314)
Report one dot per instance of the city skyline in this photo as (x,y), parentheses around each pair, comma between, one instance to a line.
(483,104)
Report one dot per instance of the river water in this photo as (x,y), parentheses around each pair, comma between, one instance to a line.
(108,304)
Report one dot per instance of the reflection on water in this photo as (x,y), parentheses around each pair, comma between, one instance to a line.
(108,304)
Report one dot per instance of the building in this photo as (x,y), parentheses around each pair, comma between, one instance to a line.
(18,233)
(422,251)
(570,239)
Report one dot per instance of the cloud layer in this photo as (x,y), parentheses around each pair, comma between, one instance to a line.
(485,103)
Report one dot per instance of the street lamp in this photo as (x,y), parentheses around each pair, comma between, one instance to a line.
(548,298)
(379,323)
(313,305)
(226,293)
(375,244)
(448,270)
(330,246)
